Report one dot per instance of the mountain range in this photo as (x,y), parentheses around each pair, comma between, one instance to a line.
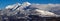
(26,8)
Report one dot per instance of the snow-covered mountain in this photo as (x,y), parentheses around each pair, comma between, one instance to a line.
(29,11)
(27,8)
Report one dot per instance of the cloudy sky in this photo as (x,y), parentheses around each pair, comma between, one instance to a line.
(4,3)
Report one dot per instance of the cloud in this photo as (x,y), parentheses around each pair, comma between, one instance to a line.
(45,6)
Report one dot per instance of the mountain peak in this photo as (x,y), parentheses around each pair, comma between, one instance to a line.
(12,6)
(26,3)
